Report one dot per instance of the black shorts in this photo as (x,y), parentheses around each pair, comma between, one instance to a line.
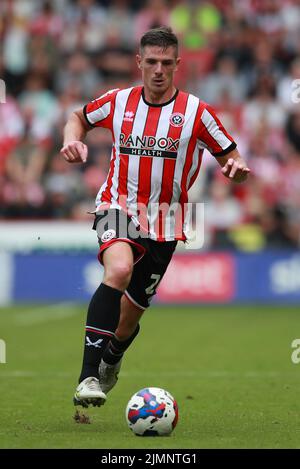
(151,258)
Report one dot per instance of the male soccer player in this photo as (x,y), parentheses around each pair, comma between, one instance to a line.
(159,134)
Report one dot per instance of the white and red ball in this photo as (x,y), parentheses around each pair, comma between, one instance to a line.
(152,412)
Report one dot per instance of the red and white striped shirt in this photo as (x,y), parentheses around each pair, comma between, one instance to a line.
(156,155)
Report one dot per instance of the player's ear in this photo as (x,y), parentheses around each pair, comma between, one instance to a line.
(178,60)
(138,61)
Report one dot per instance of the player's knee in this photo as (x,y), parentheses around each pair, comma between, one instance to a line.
(119,274)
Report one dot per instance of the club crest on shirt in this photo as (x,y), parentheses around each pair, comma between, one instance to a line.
(177,119)
(108,235)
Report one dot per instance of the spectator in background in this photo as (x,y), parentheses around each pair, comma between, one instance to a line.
(68,101)
(47,23)
(11,129)
(230,111)
(222,213)
(268,17)
(286,88)
(120,20)
(290,17)
(38,102)
(15,49)
(263,105)
(290,190)
(293,130)
(277,231)
(43,45)
(225,79)
(23,192)
(93,177)
(63,188)
(263,64)
(267,167)
(88,10)
(80,74)
(84,27)
(236,41)
(154,14)
(115,61)
(55,53)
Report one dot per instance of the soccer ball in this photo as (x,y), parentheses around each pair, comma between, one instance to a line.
(152,412)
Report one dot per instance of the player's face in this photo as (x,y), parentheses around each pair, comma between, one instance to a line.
(158,66)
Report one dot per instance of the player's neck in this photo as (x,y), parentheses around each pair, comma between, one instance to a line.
(159,98)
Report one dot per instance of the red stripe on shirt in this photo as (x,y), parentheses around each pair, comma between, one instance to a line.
(192,180)
(127,125)
(180,217)
(169,168)
(187,167)
(189,156)
(98,103)
(145,166)
(106,195)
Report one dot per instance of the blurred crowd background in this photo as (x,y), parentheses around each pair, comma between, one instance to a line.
(241,56)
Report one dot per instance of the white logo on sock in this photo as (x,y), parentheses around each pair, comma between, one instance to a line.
(94,344)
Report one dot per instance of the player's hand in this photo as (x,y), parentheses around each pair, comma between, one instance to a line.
(235,170)
(75,152)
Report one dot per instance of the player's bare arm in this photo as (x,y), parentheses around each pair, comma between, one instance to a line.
(74,150)
(234,166)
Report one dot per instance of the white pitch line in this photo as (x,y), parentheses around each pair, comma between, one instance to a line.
(142,374)
(33,374)
(54,312)
(210,374)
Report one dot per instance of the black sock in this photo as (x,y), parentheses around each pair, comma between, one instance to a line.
(102,321)
(115,348)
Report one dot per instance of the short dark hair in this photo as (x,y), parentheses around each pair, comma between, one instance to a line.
(161,37)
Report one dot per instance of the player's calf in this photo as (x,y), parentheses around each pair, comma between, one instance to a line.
(111,361)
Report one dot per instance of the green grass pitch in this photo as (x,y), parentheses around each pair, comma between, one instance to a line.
(229,368)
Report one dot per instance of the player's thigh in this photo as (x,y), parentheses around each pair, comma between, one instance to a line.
(115,227)
(118,257)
